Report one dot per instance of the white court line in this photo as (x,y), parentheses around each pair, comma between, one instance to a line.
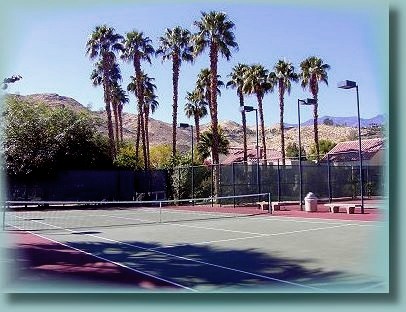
(249,237)
(107,260)
(194,260)
(370,287)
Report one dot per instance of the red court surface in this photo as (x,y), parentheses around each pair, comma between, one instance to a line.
(372,211)
(370,214)
(37,258)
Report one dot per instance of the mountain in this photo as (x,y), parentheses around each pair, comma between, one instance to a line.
(351,121)
(161,132)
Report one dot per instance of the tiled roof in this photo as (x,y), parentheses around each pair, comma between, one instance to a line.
(348,151)
(237,155)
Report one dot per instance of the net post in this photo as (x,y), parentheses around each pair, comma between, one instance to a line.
(160,212)
(4,215)
(269,203)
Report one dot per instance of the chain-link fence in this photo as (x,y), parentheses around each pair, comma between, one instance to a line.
(284,183)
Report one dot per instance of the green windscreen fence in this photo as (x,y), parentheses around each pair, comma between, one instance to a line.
(282,182)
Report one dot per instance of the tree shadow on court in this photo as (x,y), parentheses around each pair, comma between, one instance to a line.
(197,266)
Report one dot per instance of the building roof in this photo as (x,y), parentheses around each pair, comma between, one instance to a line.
(237,155)
(348,151)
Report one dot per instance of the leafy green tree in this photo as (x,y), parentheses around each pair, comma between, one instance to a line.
(284,76)
(175,45)
(237,82)
(37,138)
(103,43)
(292,151)
(126,157)
(324,147)
(313,71)
(161,156)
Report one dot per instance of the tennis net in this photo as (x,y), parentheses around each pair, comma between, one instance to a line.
(57,215)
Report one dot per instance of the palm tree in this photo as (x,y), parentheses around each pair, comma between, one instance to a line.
(314,70)
(283,76)
(114,75)
(215,32)
(175,45)
(119,98)
(236,82)
(256,82)
(205,144)
(203,84)
(150,103)
(137,48)
(196,107)
(103,43)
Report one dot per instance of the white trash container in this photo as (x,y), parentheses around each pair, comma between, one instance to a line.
(310,202)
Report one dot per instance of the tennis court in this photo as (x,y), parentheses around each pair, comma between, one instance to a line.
(193,248)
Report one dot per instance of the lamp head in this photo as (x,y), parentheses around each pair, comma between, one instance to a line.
(184,125)
(247,109)
(346,84)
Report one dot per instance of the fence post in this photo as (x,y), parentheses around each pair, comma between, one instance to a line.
(279,182)
(211,185)
(233,179)
(193,184)
(329,179)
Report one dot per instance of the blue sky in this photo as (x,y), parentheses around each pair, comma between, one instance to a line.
(48,50)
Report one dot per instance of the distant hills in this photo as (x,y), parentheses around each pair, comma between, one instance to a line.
(351,121)
(343,128)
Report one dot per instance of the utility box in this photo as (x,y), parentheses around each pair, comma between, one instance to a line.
(310,202)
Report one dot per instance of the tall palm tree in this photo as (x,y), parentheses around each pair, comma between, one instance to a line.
(114,75)
(196,107)
(314,70)
(119,98)
(150,103)
(138,48)
(102,44)
(175,45)
(215,32)
(203,85)
(236,82)
(284,74)
(256,82)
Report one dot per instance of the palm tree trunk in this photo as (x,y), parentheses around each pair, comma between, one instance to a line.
(315,126)
(147,135)
(140,94)
(213,112)
(281,125)
(107,99)
(137,141)
(197,127)
(175,81)
(120,121)
(261,120)
(244,125)
(115,112)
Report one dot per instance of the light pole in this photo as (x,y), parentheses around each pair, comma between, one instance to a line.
(185,126)
(348,84)
(250,109)
(302,102)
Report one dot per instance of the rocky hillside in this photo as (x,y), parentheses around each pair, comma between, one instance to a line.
(161,132)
